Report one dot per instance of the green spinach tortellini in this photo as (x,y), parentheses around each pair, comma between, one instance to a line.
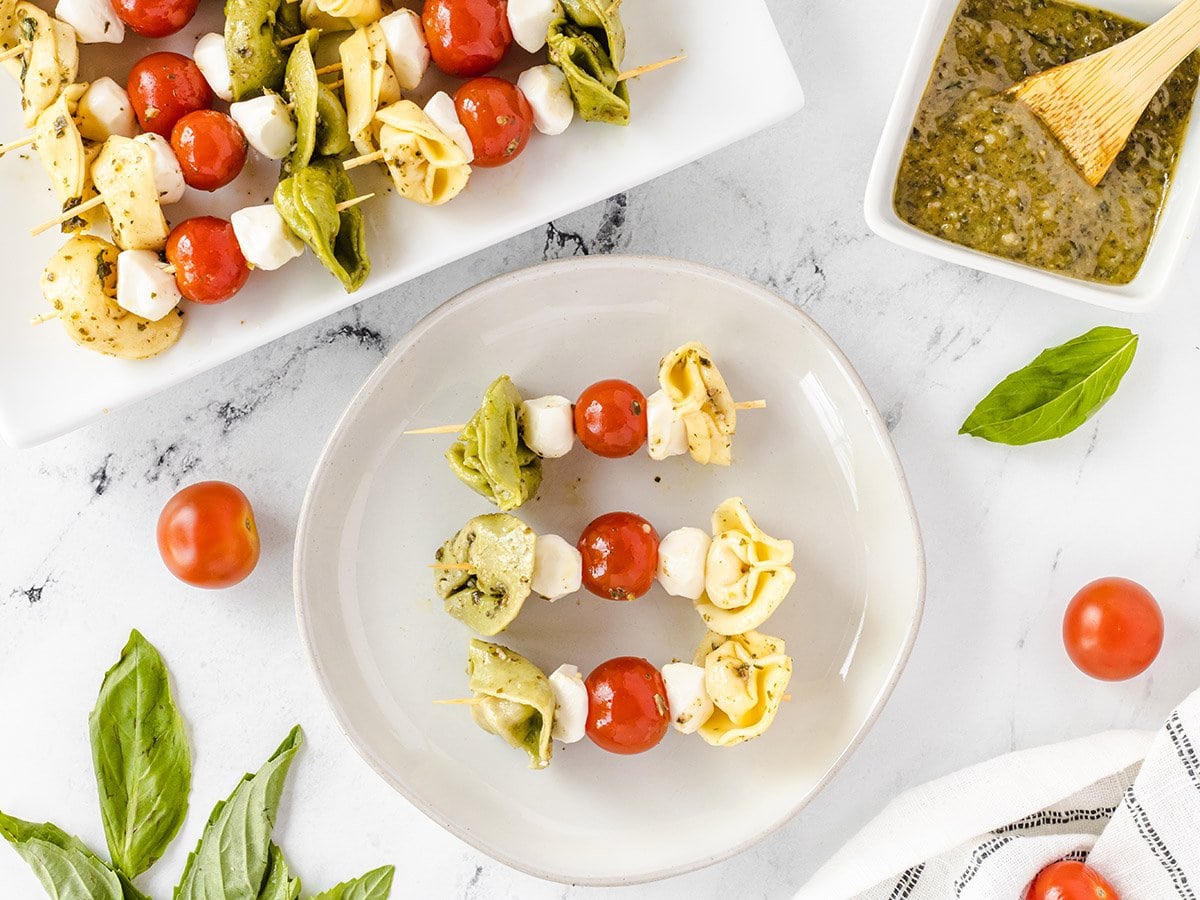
(307,201)
(498,552)
(603,16)
(490,457)
(517,702)
(591,73)
(320,117)
(256,60)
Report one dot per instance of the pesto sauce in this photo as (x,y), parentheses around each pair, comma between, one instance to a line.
(982,171)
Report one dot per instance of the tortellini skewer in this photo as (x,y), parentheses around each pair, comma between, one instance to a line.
(515,700)
(747,573)
(746,676)
(701,398)
(426,165)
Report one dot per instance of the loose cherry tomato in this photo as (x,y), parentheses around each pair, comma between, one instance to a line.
(163,88)
(155,18)
(207,536)
(497,117)
(210,147)
(620,556)
(1070,880)
(467,37)
(1113,629)
(610,418)
(209,266)
(627,705)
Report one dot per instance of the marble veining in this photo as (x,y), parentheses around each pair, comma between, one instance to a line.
(1010,533)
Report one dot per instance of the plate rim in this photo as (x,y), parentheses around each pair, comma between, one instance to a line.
(416,333)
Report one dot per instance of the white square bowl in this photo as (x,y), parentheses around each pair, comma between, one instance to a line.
(1174,226)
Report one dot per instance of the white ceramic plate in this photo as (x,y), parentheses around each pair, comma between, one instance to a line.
(737,80)
(1174,225)
(816,466)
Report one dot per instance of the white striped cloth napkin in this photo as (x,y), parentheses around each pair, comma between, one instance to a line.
(1126,802)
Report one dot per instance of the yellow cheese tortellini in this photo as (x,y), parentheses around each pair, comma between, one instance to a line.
(80,283)
(313,16)
(51,62)
(124,174)
(369,82)
(745,676)
(747,573)
(702,400)
(426,165)
(65,157)
(358,13)
(516,700)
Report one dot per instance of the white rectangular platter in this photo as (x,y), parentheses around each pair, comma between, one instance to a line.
(736,80)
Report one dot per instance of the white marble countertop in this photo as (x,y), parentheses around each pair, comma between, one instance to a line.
(1010,533)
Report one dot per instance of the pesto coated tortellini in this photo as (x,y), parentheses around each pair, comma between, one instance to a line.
(747,572)
(369,82)
(426,165)
(124,174)
(499,549)
(602,15)
(518,702)
(253,31)
(321,128)
(745,676)
(80,283)
(700,397)
(65,157)
(490,456)
(307,201)
(51,60)
(591,73)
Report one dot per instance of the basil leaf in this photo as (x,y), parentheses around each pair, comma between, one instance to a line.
(1057,392)
(64,865)
(281,884)
(140,754)
(375,885)
(230,862)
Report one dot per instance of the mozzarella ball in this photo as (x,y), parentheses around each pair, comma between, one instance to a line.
(548,426)
(530,20)
(266,240)
(209,56)
(557,567)
(168,177)
(570,704)
(267,124)
(104,110)
(687,696)
(144,287)
(666,435)
(546,89)
(442,111)
(681,560)
(408,51)
(94,21)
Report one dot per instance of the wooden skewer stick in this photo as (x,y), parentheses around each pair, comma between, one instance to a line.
(786,698)
(353,201)
(287,42)
(40,318)
(13,52)
(69,214)
(364,160)
(19,142)
(332,67)
(461,701)
(452,567)
(650,67)
(454,429)
(334,85)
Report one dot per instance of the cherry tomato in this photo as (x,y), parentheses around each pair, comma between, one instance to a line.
(620,556)
(163,88)
(209,266)
(207,536)
(610,418)
(627,705)
(210,147)
(467,37)
(155,18)
(1070,880)
(1113,629)
(497,117)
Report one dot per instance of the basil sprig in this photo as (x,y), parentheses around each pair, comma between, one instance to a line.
(1057,392)
(143,771)
(141,757)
